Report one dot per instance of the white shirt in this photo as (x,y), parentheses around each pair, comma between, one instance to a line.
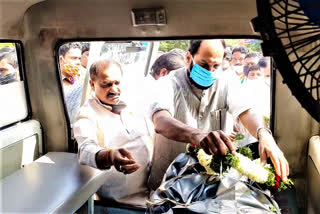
(259,93)
(97,128)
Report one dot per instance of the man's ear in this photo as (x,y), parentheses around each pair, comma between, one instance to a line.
(163,72)
(92,85)
(61,61)
(188,58)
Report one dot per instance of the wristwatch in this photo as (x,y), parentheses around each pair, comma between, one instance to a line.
(259,129)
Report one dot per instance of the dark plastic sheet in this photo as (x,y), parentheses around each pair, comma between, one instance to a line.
(185,189)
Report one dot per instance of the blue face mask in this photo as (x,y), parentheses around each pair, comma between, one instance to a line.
(202,76)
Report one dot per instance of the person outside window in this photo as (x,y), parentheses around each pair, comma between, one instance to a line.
(84,60)
(8,66)
(69,59)
(167,62)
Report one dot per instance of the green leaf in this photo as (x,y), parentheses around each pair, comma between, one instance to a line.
(239,137)
(246,151)
(271,179)
(285,185)
(272,208)
(266,120)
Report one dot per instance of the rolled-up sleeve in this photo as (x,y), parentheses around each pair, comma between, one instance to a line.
(85,132)
(162,96)
(238,100)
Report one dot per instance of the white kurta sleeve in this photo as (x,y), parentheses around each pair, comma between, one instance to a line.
(85,132)
(238,99)
(163,96)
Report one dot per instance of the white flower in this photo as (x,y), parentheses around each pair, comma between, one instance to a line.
(252,169)
(205,161)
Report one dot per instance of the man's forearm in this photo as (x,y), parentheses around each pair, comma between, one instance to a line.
(252,121)
(172,128)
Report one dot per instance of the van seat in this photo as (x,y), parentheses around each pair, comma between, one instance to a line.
(55,183)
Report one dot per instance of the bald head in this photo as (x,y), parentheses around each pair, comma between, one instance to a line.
(211,48)
(206,53)
(195,45)
(101,65)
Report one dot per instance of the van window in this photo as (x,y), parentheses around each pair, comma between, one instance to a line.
(13,107)
(243,65)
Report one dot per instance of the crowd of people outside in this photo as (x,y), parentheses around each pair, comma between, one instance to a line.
(250,70)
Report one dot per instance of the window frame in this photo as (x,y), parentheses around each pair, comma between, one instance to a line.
(72,145)
(23,77)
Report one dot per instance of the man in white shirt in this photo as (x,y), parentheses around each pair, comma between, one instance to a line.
(237,62)
(264,64)
(193,111)
(110,134)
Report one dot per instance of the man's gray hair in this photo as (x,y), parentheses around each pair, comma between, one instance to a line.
(100,65)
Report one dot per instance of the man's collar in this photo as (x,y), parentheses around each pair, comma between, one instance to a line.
(71,80)
(116,108)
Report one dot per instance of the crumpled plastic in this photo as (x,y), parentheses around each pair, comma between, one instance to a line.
(185,189)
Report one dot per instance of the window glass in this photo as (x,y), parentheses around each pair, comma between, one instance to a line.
(13,105)
(75,59)
(145,62)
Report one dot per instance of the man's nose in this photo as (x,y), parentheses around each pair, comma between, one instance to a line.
(115,88)
(212,69)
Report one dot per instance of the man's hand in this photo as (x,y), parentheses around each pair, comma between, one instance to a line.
(269,148)
(123,161)
(232,136)
(215,142)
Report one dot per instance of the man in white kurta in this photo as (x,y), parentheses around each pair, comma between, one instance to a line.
(100,127)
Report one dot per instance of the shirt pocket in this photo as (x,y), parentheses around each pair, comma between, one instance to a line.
(218,119)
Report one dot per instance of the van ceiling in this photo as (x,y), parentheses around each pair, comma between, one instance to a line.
(12,12)
(112,18)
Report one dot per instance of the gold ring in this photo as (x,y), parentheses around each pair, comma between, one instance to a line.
(120,168)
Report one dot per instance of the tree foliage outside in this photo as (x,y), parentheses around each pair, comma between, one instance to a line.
(253,45)
(166,46)
(3,45)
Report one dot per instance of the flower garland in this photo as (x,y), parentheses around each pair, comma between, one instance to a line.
(243,163)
